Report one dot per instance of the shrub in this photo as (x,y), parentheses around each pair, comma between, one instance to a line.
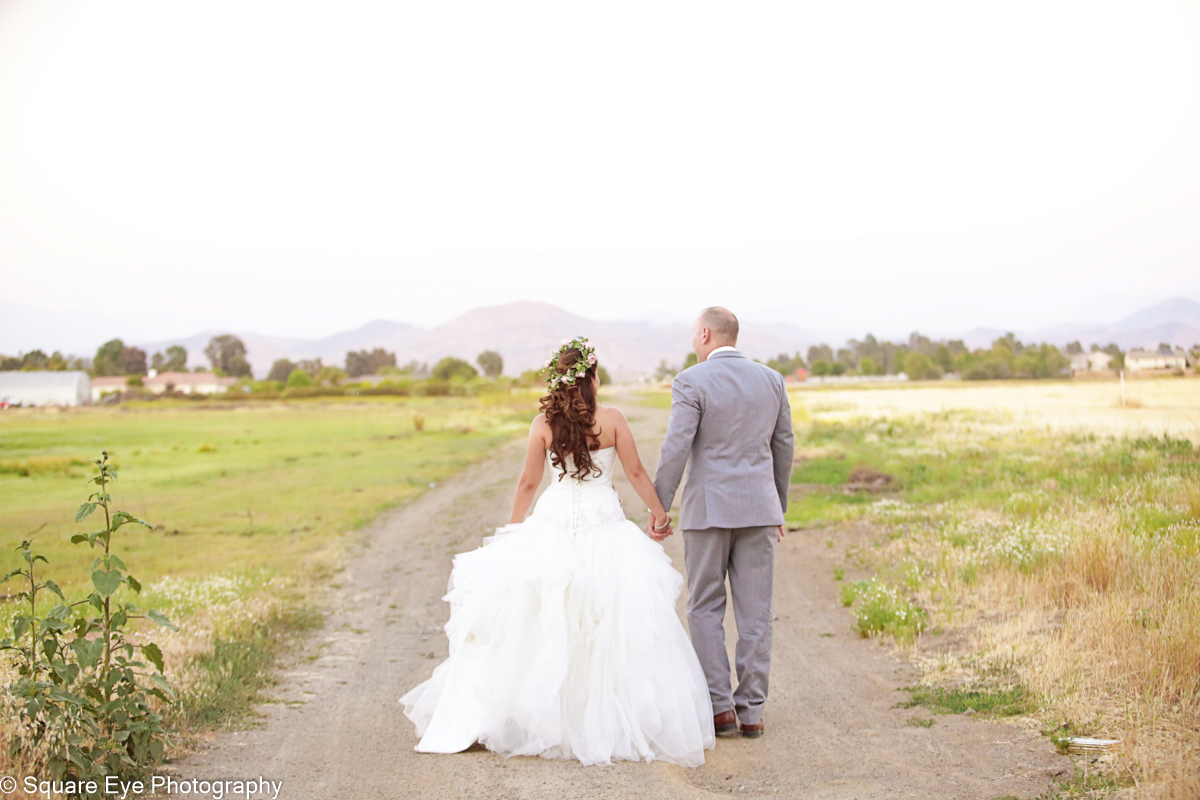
(919,367)
(400,388)
(435,388)
(298,378)
(820,367)
(450,367)
(84,688)
(312,391)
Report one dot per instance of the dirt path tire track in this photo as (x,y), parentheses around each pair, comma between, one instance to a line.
(337,731)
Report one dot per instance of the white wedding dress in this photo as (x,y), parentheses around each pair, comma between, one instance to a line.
(564,641)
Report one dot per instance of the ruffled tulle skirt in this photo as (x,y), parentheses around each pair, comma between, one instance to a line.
(564,643)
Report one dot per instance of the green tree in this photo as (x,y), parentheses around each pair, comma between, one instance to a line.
(690,360)
(1074,348)
(920,367)
(837,368)
(35,360)
(176,359)
(369,363)
(491,363)
(298,377)
(785,364)
(602,374)
(330,376)
(133,361)
(868,366)
(9,363)
(227,354)
(450,367)
(664,372)
(311,366)
(108,358)
(820,367)
(281,370)
(943,358)
(1118,358)
(820,352)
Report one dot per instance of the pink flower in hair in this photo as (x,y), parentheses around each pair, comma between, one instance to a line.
(592,359)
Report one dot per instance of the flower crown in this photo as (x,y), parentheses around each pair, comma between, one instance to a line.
(587,359)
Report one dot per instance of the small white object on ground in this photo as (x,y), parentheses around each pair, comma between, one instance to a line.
(1082,745)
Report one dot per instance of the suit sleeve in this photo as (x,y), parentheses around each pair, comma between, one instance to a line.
(783,447)
(677,446)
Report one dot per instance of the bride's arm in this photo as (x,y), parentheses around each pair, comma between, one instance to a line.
(531,473)
(634,471)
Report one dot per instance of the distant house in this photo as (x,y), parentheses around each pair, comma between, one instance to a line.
(187,382)
(1090,362)
(1137,360)
(106,384)
(46,388)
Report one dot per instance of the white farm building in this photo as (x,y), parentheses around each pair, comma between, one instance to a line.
(48,388)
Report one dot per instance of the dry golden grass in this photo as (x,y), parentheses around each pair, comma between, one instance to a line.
(1167,406)
(1102,622)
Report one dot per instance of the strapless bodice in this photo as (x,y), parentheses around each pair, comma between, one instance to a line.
(592,500)
(603,460)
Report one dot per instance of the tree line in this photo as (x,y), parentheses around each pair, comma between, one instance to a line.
(922,358)
(227,357)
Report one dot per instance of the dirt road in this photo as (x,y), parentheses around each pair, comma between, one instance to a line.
(832,727)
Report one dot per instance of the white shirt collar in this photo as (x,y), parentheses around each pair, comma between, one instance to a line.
(722,349)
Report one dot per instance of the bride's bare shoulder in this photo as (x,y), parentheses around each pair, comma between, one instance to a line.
(610,413)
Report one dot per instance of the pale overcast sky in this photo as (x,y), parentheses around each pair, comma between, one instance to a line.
(299,168)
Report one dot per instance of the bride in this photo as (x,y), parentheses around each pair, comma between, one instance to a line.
(564,641)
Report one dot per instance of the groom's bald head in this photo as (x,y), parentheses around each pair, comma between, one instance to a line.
(715,327)
(722,324)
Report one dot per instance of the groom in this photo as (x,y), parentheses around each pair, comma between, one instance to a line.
(730,416)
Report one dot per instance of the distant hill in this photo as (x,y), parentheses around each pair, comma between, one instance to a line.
(524,333)
(1175,321)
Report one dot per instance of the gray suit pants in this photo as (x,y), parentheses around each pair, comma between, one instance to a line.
(747,556)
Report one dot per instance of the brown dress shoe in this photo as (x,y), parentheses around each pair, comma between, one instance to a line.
(752,731)
(726,724)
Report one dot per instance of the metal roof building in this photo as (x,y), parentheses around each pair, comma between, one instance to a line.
(47,388)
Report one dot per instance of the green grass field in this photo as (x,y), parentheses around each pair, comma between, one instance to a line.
(233,487)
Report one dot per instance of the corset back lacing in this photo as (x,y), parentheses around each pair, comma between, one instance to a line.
(576,506)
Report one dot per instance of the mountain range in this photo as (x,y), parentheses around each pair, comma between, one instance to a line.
(524,333)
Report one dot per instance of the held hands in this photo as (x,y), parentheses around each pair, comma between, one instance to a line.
(660,528)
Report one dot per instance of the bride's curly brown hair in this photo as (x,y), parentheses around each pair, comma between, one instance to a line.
(571,413)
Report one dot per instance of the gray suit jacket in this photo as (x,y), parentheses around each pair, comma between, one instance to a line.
(731,416)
